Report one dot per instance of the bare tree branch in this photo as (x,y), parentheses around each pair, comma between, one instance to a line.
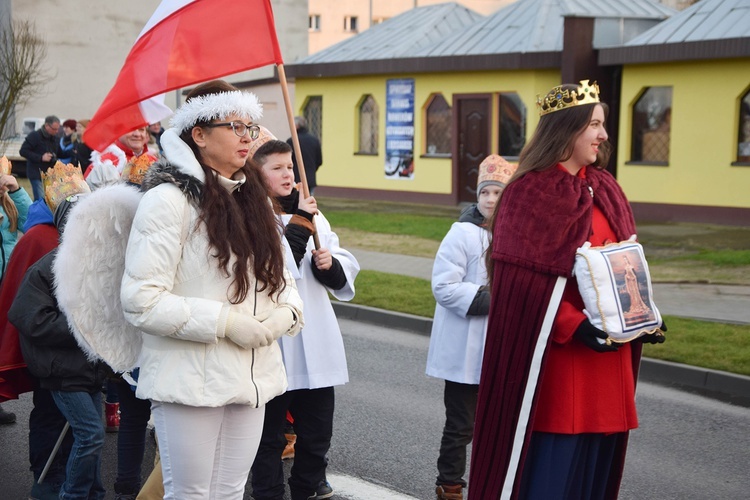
(22,68)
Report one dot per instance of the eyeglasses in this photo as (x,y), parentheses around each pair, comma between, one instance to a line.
(239,128)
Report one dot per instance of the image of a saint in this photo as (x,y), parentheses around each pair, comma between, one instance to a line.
(637,306)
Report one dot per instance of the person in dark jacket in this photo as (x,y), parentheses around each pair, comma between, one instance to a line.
(312,155)
(81,151)
(45,420)
(54,357)
(68,141)
(41,148)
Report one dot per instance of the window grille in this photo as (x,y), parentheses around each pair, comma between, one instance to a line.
(743,145)
(512,125)
(314,116)
(368,126)
(438,126)
(652,114)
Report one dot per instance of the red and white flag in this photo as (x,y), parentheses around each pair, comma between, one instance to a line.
(185,42)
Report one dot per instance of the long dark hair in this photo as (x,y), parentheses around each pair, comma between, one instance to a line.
(240,223)
(552,143)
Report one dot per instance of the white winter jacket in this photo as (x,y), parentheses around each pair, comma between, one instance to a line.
(174,292)
(457,340)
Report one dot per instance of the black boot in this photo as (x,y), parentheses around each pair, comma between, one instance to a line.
(6,417)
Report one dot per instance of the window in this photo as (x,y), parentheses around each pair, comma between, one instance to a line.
(313,22)
(379,20)
(512,127)
(313,113)
(368,126)
(743,145)
(350,24)
(438,126)
(652,116)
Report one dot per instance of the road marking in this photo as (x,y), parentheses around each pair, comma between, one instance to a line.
(358,489)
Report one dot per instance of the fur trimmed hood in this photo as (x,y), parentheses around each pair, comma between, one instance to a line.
(178,166)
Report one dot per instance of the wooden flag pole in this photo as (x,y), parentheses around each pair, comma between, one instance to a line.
(295,141)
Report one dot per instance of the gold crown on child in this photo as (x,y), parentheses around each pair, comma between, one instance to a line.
(62,181)
(560,98)
(135,170)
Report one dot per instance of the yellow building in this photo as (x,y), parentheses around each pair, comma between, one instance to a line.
(473,81)
(679,119)
(684,138)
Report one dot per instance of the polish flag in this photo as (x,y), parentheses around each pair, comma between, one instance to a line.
(184,43)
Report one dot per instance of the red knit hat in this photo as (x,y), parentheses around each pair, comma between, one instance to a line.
(71,124)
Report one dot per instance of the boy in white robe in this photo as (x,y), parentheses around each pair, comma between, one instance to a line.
(459,329)
(315,360)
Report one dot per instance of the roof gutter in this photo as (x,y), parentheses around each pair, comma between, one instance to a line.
(432,64)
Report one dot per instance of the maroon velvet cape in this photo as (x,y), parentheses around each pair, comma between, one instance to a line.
(544,217)
(33,245)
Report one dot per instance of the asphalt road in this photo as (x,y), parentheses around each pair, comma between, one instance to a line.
(389,419)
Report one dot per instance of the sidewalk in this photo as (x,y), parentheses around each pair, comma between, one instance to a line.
(724,303)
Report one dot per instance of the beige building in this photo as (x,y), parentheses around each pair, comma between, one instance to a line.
(331,21)
(88,40)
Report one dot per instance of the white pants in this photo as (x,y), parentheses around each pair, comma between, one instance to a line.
(206,453)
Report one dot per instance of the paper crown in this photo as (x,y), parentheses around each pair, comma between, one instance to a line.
(5,166)
(136,168)
(264,136)
(560,98)
(495,169)
(62,181)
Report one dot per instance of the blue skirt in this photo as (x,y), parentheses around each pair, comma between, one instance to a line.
(568,466)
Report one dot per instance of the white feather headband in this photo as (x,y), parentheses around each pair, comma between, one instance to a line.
(216,107)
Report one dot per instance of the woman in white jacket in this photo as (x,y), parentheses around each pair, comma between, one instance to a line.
(205,282)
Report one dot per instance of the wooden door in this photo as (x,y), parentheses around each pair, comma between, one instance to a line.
(471,144)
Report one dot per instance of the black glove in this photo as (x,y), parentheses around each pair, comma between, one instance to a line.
(588,334)
(656,337)
(480,305)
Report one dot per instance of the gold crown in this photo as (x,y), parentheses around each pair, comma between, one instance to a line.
(136,168)
(5,166)
(560,98)
(62,181)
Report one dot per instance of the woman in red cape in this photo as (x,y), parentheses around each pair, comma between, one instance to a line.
(555,406)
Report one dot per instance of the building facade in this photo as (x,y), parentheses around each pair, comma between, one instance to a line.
(679,110)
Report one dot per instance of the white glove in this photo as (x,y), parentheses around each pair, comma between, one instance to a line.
(246,331)
(280,321)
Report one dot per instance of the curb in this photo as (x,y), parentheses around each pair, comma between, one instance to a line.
(724,386)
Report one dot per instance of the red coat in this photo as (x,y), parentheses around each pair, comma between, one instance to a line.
(582,390)
(33,245)
(543,218)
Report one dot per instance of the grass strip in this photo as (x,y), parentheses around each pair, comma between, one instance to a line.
(395,292)
(719,346)
(722,258)
(423,226)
